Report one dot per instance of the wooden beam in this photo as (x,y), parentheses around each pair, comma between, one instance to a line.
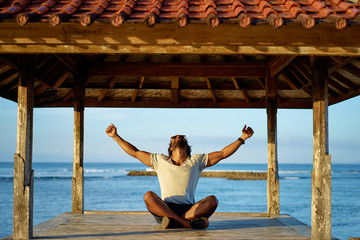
(136,90)
(212,93)
(104,91)
(193,103)
(303,80)
(78,171)
(60,80)
(273,194)
(9,62)
(237,86)
(69,63)
(305,83)
(261,83)
(45,85)
(289,81)
(48,69)
(345,81)
(7,76)
(337,86)
(175,91)
(277,63)
(132,38)
(321,174)
(340,63)
(70,94)
(245,70)
(42,61)
(302,70)
(352,69)
(23,172)
(343,97)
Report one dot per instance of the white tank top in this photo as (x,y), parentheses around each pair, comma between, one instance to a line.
(178,183)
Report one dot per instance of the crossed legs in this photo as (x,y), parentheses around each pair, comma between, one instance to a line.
(204,208)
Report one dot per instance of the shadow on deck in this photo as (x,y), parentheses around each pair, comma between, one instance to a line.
(141,225)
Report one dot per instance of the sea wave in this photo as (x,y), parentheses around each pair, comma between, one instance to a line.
(351,172)
(56,178)
(293,172)
(293,178)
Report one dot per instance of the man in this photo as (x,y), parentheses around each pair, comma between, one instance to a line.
(178,176)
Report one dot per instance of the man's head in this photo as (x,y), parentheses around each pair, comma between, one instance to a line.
(179,141)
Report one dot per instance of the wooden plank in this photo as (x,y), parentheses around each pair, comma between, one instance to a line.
(140,84)
(277,63)
(352,69)
(345,81)
(302,70)
(337,86)
(172,49)
(273,193)
(321,175)
(69,63)
(104,92)
(245,70)
(9,62)
(212,93)
(78,171)
(237,86)
(340,63)
(23,173)
(261,83)
(99,38)
(304,83)
(42,61)
(70,94)
(141,225)
(57,83)
(289,81)
(60,80)
(195,103)
(7,77)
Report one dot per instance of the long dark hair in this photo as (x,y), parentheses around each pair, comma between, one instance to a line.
(188,149)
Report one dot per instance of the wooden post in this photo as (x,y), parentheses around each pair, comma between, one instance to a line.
(23,173)
(78,171)
(321,175)
(273,199)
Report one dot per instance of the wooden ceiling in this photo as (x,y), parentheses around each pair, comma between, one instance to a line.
(179,81)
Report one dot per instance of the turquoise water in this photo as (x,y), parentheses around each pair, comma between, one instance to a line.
(107,187)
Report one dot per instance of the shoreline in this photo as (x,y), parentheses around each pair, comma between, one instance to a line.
(231,175)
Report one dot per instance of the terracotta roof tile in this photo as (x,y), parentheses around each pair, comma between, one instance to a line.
(275,12)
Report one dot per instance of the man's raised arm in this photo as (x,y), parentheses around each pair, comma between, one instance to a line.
(144,157)
(227,151)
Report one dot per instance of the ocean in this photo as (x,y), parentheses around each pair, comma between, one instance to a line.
(108,188)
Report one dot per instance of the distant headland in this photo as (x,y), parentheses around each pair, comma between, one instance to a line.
(231,175)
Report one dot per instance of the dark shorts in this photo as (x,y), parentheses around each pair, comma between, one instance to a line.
(179,209)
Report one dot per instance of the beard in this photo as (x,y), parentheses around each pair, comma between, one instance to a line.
(182,144)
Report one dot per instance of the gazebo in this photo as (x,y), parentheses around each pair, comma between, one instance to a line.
(299,54)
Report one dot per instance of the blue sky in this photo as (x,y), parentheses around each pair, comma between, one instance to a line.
(207,130)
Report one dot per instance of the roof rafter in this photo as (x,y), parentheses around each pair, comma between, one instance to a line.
(68,62)
(212,93)
(104,91)
(179,69)
(136,90)
(277,63)
(242,91)
(340,63)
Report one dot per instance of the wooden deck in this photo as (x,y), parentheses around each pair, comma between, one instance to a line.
(141,225)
